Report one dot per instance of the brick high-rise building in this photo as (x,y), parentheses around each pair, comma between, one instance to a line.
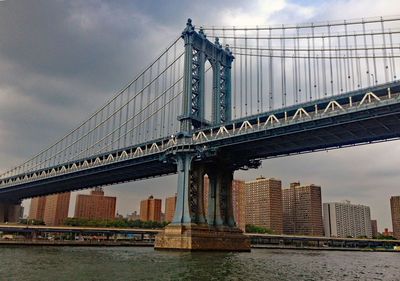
(374,228)
(36,210)
(302,210)
(238,201)
(56,209)
(150,209)
(206,187)
(395,208)
(264,203)
(95,205)
(345,219)
(170,203)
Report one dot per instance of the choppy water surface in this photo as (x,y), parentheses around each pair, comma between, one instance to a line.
(143,263)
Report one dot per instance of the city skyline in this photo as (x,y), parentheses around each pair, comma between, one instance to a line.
(364,175)
(72,203)
(242,188)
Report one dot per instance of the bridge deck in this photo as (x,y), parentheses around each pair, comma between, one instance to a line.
(349,119)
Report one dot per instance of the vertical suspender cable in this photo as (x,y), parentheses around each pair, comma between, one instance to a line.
(366,54)
(258,71)
(271,77)
(161,126)
(309,68)
(146,125)
(251,82)
(323,66)
(134,131)
(127,115)
(245,72)
(358,66)
(330,58)
(339,58)
(283,70)
(347,60)
(306,84)
(314,61)
(384,51)
(298,69)
(295,96)
(234,77)
(261,84)
(393,68)
(374,58)
(241,85)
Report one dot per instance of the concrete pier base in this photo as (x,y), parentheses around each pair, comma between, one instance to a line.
(202,238)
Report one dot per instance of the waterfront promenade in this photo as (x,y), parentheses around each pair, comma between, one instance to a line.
(33,235)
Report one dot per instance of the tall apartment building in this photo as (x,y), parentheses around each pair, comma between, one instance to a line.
(264,203)
(150,209)
(302,210)
(36,210)
(205,190)
(170,203)
(374,228)
(395,208)
(56,208)
(345,219)
(238,201)
(95,205)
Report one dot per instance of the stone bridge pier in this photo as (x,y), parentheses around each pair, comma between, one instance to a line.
(9,211)
(199,227)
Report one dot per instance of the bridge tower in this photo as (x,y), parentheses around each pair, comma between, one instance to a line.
(195,226)
(198,50)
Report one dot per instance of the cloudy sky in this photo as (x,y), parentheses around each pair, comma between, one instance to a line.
(60,60)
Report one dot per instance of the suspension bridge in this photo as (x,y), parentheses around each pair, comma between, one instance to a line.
(219,99)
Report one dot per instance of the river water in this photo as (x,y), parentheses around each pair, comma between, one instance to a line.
(143,263)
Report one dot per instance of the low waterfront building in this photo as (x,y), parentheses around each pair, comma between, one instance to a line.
(387,232)
(133,216)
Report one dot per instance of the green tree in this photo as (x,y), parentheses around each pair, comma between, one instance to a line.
(116,223)
(258,229)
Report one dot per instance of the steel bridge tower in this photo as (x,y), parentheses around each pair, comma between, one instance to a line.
(195,226)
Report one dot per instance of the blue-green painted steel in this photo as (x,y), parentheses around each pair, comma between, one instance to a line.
(198,50)
(182,215)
